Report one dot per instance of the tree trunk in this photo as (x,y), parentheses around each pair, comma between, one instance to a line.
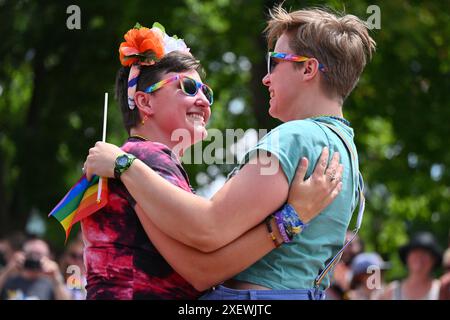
(27,157)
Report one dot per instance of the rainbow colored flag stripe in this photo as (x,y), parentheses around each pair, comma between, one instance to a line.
(80,202)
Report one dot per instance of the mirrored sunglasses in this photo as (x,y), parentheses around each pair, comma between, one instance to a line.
(188,85)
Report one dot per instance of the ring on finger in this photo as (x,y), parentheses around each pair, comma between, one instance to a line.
(332,177)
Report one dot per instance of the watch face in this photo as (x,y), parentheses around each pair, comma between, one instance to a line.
(122,161)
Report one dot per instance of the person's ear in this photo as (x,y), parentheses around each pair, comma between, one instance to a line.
(144,103)
(311,67)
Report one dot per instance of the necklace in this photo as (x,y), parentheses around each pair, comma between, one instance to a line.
(136,136)
(344,121)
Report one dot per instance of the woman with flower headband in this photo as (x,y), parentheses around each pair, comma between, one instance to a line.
(159,90)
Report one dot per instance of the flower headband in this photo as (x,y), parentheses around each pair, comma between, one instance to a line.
(144,47)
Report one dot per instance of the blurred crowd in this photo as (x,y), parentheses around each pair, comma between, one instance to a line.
(30,270)
(359,275)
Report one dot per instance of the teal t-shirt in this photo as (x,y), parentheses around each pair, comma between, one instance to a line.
(295,265)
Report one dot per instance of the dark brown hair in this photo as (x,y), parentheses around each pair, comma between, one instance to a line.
(175,61)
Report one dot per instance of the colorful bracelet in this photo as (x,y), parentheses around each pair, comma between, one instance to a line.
(294,224)
(289,223)
(280,224)
(271,234)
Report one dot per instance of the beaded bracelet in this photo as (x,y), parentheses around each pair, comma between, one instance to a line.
(271,234)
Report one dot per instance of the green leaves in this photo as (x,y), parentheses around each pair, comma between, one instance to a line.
(159,26)
(52,83)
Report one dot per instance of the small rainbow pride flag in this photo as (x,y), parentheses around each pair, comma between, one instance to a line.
(80,202)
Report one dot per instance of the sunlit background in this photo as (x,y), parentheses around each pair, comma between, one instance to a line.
(52,82)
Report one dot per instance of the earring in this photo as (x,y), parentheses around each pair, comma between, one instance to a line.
(143,120)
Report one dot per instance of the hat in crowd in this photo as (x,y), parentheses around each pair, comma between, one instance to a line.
(422,240)
(363,261)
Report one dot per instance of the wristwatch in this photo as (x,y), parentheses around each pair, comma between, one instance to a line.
(123,162)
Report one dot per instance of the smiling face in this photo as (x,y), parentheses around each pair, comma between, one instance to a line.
(172,109)
(284,84)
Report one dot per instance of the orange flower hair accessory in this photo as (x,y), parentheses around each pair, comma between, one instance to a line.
(143,46)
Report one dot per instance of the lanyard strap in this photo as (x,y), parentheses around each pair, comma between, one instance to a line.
(362,202)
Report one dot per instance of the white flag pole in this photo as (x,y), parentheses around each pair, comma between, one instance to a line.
(105,115)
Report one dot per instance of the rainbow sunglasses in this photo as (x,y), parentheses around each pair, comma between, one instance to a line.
(272,63)
(188,85)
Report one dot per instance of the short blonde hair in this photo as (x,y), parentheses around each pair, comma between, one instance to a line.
(341,43)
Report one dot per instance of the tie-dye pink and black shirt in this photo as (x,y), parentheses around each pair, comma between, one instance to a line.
(121,261)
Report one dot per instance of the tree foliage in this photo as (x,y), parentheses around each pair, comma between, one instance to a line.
(52,81)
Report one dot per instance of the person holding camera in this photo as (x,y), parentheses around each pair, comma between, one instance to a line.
(31,275)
